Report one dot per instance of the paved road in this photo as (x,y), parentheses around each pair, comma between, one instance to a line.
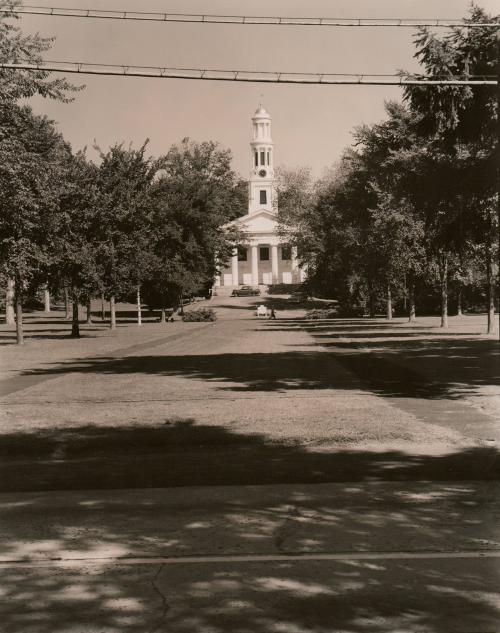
(252,476)
(378,557)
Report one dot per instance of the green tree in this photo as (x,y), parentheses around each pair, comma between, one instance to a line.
(296,196)
(124,181)
(14,86)
(357,228)
(75,231)
(196,194)
(393,221)
(31,154)
(18,47)
(462,122)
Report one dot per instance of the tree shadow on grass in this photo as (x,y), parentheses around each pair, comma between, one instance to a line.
(269,372)
(458,366)
(181,453)
(355,595)
(51,335)
(422,361)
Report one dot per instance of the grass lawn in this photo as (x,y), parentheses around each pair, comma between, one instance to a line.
(247,401)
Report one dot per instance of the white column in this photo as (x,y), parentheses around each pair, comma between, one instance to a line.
(274,263)
(294,264)
(302,274)
(234,267)
(255,265)
(217,280)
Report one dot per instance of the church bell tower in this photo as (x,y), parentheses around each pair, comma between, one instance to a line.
(262,174)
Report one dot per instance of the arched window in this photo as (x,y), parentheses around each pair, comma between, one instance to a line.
(268,158)
(256,159)
(262,158)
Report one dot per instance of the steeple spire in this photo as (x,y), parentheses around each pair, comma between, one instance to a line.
(262,174)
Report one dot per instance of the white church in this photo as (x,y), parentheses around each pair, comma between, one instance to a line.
(261,259)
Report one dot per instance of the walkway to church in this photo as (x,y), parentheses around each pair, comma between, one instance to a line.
(251,476)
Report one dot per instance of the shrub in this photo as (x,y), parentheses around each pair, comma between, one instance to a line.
(322,313)
(335,312)
(200,314)
(283,289)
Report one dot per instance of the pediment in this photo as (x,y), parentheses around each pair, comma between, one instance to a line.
(259,222)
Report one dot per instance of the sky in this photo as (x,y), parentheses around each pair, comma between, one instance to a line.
(311,124)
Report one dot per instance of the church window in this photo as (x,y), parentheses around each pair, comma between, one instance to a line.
(256,159)
(268,155)
(242,254)
(286,253)
(262,158)
(264,254)
(263,196)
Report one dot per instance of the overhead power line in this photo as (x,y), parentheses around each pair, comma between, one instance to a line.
(250,76)
(247,20)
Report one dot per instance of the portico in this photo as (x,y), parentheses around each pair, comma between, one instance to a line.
(262,262)
(262,258)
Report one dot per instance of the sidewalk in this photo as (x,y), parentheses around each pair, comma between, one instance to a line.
(374,557)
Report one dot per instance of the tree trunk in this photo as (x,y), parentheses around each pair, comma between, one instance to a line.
(405,297)
(112,312)
(89,312)
(459,300)
(103,308)
(46,299)
(19,314)
(10,314)
(490,293)
(75,324)
(372,306)
(162,315)
(371,299)
(66,303)
(443,273)
(411,297)
(181,310)
(389,302)
(139,313)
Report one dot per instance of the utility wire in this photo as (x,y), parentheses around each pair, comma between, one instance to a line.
(248,20)
(250,76)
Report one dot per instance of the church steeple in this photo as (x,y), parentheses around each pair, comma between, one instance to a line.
(262,174)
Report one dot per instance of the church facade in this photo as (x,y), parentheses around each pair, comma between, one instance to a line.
(261,259)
